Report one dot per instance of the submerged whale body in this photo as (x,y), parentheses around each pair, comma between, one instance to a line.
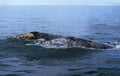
(45,39)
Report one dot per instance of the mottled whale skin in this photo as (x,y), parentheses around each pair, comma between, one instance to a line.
(67,40)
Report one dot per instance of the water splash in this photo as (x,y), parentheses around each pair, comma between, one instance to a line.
(54,43)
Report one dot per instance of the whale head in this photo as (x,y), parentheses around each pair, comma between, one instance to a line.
(36,35)
(30,35)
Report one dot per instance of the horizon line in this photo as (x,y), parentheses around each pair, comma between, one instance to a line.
(61,4)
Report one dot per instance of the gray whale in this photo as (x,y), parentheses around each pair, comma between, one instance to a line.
(46,38)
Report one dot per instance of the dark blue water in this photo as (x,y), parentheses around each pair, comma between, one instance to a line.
(99,23)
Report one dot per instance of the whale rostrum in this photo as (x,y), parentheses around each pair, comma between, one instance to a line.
(58,40)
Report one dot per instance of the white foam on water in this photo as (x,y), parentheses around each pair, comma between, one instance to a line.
(118,46)
(55,43)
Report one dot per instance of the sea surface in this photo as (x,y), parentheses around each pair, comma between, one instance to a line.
(98,23)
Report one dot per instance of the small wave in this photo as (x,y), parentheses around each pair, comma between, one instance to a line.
(3,37)
(118,46)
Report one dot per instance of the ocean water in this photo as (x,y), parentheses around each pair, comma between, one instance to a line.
(99,23)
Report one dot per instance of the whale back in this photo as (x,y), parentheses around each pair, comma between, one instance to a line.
(70,41)
(89,43)
(46,36)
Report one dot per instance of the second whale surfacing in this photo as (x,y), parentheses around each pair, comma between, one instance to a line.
(45,39)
